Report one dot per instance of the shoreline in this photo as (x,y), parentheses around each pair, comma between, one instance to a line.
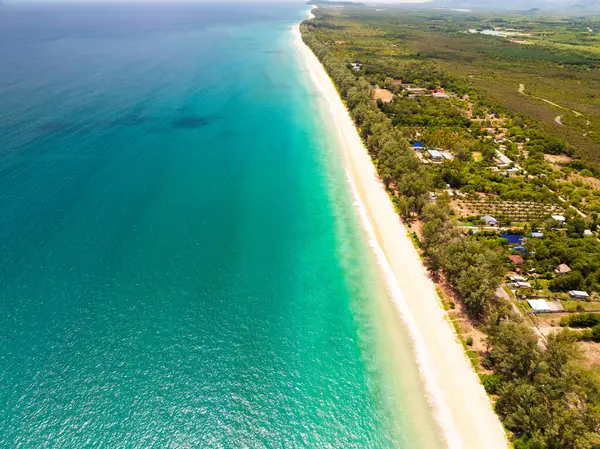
(459,403)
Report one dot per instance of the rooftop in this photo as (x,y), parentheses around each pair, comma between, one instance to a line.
(578,294)
(539,305)
(516,259)
(522,284)
(491,221)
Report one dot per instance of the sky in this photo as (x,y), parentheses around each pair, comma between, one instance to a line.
(206,1)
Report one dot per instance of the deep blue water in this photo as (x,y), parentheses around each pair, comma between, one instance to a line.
(181,263)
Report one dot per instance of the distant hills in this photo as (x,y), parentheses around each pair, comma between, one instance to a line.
(334,3)
(533,7)
(529,6)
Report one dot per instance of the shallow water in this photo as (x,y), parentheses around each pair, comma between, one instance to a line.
(182,265)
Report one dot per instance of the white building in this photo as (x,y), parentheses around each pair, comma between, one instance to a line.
(435,155)
(517,278)
(578,294)
(539,305)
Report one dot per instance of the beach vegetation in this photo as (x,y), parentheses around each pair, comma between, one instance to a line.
(545,397)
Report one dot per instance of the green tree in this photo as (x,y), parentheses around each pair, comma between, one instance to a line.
(514,350)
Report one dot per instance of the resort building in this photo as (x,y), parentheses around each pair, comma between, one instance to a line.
(417,92)
(539,305)
(522,284)
(489,220)
(435,155)
(563,268)
(513,239)
(578,294)
(503,160)
(521,249)
(446,155)
(559,218)
(517,260)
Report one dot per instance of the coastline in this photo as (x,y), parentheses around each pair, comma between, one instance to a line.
(458,400)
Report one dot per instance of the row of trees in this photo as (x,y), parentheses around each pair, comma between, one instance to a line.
(473,268)
(398,166)
(545,398)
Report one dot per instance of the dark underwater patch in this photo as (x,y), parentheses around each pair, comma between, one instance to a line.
(191,122)
(132,121)
(54,127)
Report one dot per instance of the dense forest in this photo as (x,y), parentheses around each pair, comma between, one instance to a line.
(545,397)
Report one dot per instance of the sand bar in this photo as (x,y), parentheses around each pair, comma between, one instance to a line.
(459,402)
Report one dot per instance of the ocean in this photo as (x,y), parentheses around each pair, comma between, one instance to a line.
(182,264)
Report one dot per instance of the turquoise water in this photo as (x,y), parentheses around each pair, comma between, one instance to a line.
(182,265)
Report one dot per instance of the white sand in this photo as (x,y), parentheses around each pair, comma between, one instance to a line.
(459,402)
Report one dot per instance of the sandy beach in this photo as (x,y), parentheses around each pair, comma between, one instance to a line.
(459,402)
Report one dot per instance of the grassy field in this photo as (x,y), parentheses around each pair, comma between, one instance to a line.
(556,60)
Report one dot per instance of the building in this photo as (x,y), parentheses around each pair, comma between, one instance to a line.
(588,233)
(340,42)
(356,66)
(435,155)
(489,220)
(418,146)
(513,239)
(521,249)
(440,95)
(517,278)
(446,155)
(417,92)
(517,260)
(537,235)
(578,294)
(522,284)
(559,218)
(539,305)
(563,268)
(503,160)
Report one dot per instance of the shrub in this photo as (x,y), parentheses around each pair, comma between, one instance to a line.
(491,383)
(579,320)
(596,333)
(586,335)
(469,341)
(524,442)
